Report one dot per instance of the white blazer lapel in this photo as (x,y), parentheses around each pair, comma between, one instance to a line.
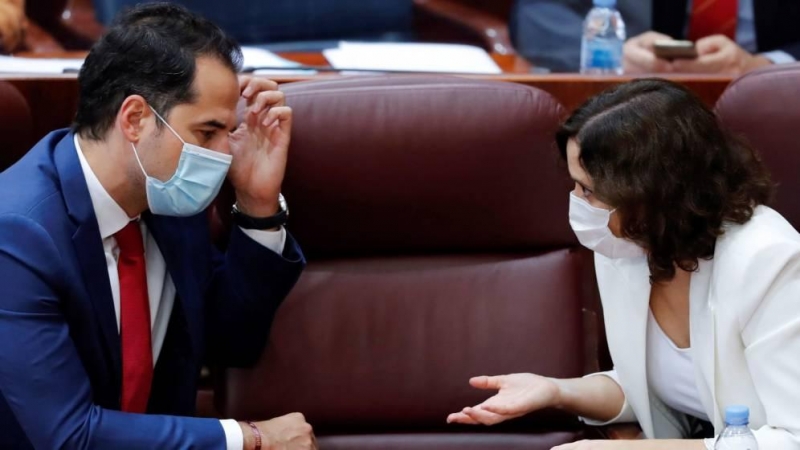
(702,331)
(625,290)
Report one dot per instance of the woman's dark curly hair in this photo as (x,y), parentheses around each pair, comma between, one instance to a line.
(659,156)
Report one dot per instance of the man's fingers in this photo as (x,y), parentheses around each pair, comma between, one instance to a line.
(484,382)
(708,63)
(461,418)
(281,114)
(712,44)
(647,40)
(296,416)
(249,86)
(266,99)
(638,59)
(689,66)
(315,444)
(244,84)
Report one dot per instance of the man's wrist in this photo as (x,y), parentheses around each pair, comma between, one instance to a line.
(758,61)
(249,438)
(256,208)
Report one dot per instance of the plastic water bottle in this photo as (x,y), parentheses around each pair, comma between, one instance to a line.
(736,435)
(603,36)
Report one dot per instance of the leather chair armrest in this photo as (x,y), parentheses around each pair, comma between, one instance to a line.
(39,41)
(492,31)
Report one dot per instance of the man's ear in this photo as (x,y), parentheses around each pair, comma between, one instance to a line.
(131,118)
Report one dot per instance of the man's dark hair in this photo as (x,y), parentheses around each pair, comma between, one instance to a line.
(659,156)
(150,50)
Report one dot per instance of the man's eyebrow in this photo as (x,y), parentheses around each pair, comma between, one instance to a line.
(217,124)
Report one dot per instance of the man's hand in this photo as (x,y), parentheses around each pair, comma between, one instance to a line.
(259,147)
(719,55)
(289,432)
(638,55)
(517,395)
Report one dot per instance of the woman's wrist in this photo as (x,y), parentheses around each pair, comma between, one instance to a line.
(560,393)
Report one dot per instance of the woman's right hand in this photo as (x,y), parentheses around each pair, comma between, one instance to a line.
(518,394)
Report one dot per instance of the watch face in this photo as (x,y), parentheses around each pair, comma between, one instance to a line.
(282,202)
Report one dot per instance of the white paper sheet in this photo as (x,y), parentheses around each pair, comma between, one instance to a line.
(45,66)
(253,57)
(259,57)
(412,57)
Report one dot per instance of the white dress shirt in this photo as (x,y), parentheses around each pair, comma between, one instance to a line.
(111,218)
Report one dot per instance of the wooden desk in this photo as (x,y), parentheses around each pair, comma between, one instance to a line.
(54,98)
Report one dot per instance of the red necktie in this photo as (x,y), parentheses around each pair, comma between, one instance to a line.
(711,17)
(134,317)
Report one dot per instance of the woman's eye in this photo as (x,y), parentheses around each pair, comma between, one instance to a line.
(587,193)
(208,135)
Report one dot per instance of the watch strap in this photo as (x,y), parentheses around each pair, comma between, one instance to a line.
(259,223)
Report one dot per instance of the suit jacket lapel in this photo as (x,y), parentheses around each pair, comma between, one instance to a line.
(763,12)
(88,247)
(702,331)
(168,234)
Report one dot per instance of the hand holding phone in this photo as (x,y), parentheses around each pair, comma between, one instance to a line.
(673,49)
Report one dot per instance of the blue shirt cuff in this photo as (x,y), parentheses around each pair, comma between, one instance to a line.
(778,57)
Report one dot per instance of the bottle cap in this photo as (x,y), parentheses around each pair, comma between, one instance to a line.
(605,3)
(737,415)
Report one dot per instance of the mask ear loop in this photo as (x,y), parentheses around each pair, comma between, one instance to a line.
(136,154)
(165,123)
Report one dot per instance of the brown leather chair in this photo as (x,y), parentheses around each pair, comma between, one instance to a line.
(764,108)
(433,212)
(16,125)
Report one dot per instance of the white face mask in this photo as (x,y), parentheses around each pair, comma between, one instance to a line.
(590,224)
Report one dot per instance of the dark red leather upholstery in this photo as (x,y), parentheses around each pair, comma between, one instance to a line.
(424,164)
(433,211)
(764,107)
(16,125)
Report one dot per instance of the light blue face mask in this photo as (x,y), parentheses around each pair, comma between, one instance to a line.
(194,185)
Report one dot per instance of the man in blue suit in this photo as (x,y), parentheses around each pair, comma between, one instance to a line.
(548,33)
(111,294)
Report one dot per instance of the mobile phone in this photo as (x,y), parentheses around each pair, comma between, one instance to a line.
(667,49)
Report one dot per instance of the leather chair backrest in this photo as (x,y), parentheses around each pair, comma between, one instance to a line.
(433,211)
(16,125)
(764,108)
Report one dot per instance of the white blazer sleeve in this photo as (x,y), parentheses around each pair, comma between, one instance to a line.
(625,415)
(771,337)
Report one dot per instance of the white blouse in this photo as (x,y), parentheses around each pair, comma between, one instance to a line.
(670,372)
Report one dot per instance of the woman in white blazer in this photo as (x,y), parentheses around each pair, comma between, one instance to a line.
(700,282)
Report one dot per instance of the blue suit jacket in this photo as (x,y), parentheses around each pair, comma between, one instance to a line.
(60,358)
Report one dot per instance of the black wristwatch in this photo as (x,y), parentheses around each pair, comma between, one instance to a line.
(262,223)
